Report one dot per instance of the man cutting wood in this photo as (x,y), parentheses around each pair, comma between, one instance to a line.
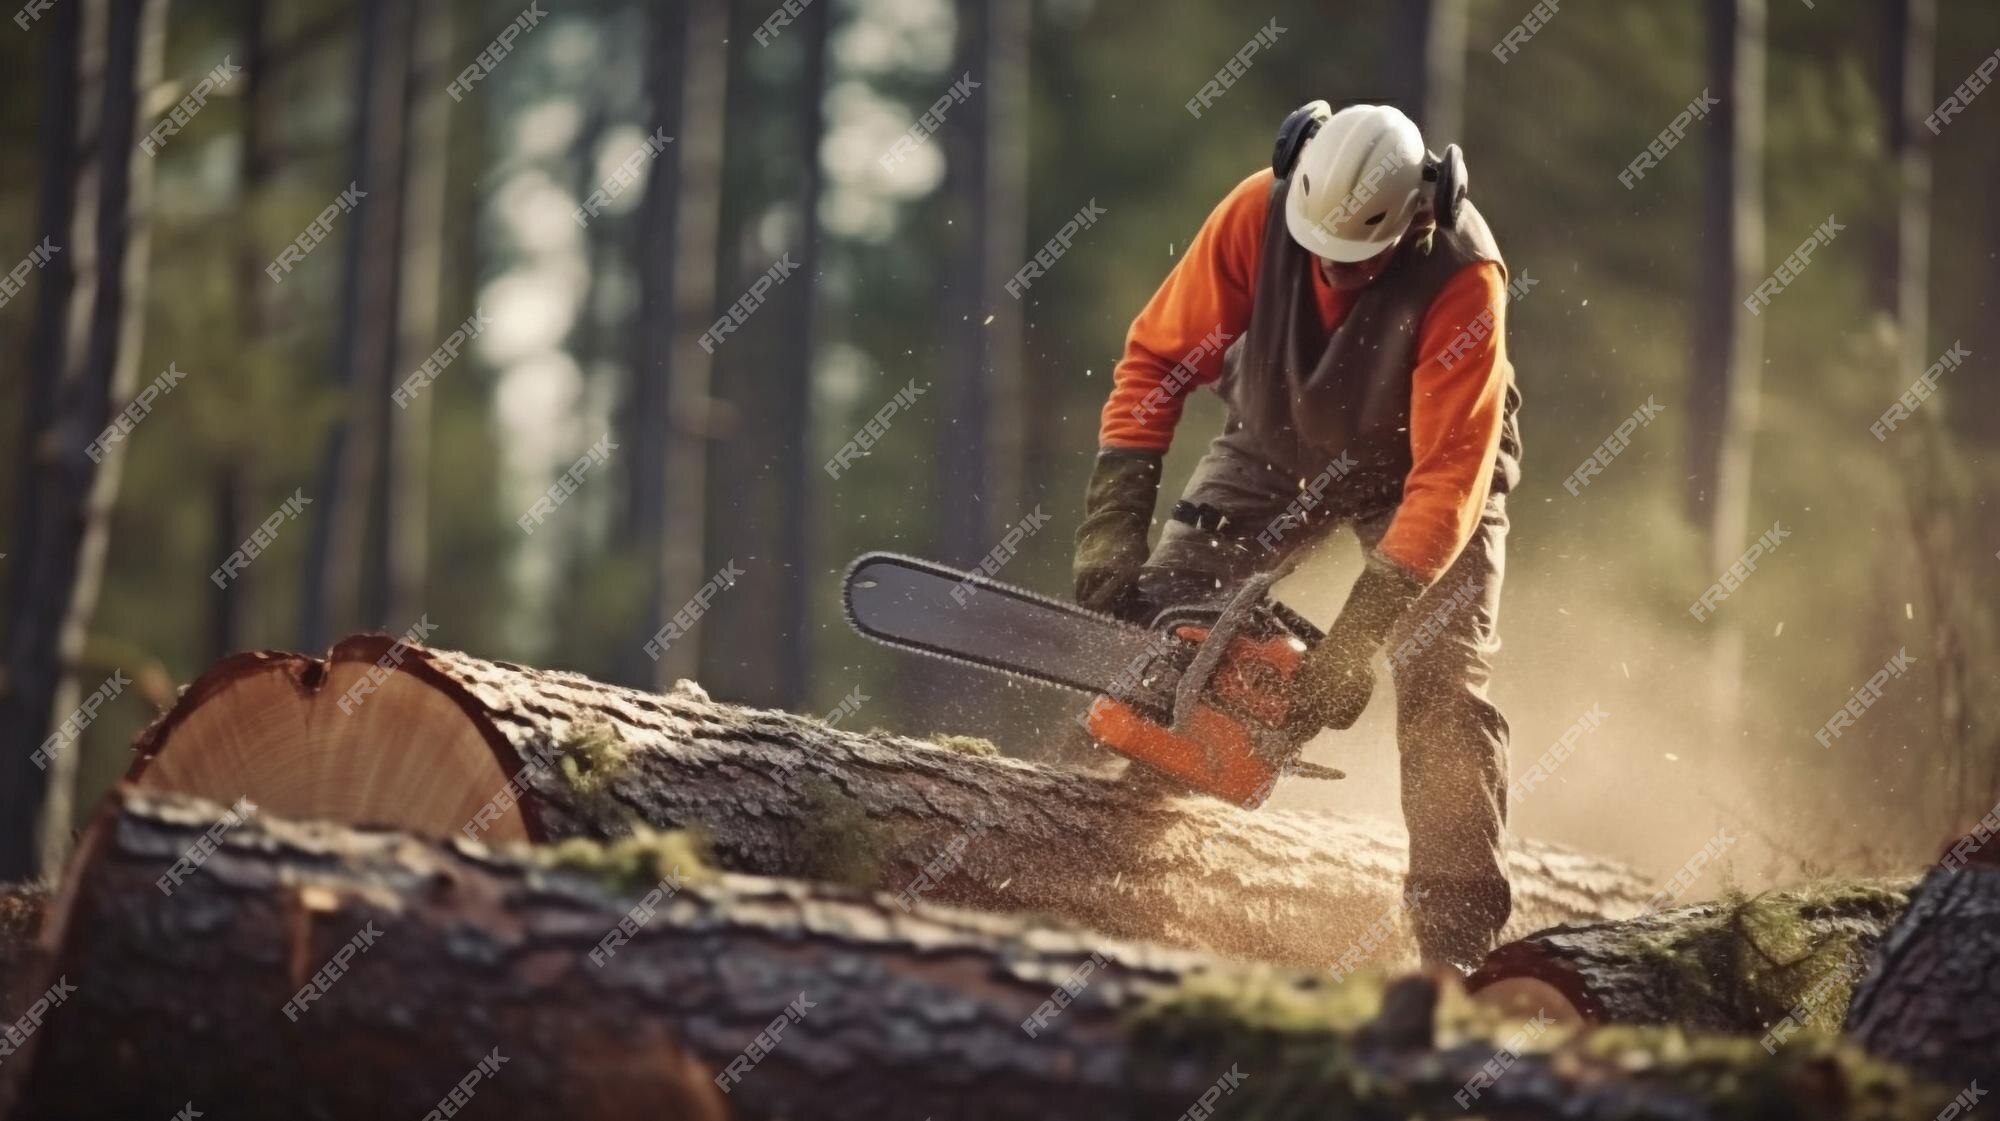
(1349,307)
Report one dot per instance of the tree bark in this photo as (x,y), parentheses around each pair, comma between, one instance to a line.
(1733,965)
(1932,999)
(785,795)
(461,955)
(100,301)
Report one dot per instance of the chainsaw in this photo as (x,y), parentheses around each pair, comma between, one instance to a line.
(1200,696)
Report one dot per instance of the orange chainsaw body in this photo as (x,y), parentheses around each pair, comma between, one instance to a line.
(1216,750)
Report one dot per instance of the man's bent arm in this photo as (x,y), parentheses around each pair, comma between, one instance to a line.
(1458,399)
(1176,343)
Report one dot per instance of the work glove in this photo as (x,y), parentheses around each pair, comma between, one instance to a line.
(1337,676)
(1117,511)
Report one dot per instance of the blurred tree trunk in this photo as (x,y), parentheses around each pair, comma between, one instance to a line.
(1728,343)
(1426,67)
(980,434)
(364,330)
(669,434)
(793,401)
(403,556)
(1934,495)
(111,58)
(231,482)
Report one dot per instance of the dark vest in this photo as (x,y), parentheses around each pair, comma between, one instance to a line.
(1301,396)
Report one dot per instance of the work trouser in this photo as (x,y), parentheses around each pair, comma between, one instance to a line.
(1453,741)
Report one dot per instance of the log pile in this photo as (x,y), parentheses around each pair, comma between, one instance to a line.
(225,993)
(409,882)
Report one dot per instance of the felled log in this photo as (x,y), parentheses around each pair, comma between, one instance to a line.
(1732,965)
(1932,999)
(477,962)
(442,743)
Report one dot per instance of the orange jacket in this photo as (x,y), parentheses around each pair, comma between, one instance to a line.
(1455,413)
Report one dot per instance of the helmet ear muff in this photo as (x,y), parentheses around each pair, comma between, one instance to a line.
(1299,127)
(1447,177)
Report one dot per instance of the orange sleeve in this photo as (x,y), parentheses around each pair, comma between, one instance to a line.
(1176,343)
(1458,397)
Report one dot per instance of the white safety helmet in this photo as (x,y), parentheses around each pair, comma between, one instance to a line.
(1356,183)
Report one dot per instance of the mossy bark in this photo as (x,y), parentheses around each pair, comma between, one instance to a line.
(1739,964)
(180,997)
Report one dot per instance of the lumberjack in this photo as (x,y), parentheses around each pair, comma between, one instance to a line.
(1366,303)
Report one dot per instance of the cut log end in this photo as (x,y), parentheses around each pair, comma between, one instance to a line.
(352,738)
